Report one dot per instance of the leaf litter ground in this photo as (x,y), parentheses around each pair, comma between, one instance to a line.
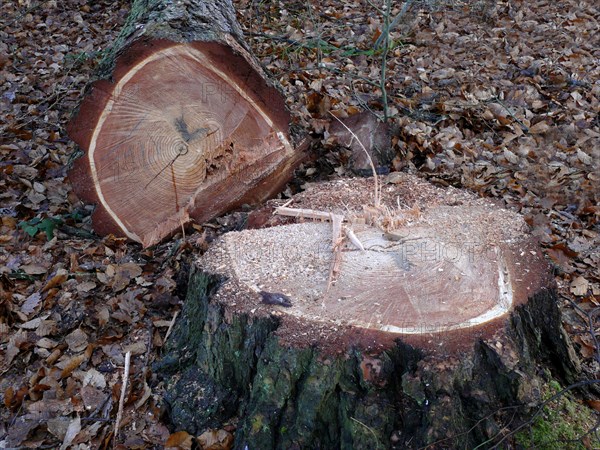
(496,97)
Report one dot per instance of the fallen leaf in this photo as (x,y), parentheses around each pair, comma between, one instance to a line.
(136,348)
(56,280)
(72,431)
(180,440)
(31,303)
(76,361)
(103,315)
(46,343)
(594,404)
(12,348)
(145,396)
(77,340)
(58,426)
(34,269)
(124,273)
(539,128)
(579,286)
(20,429)
(94,378)
(86,286)
(92,397)
(216,440)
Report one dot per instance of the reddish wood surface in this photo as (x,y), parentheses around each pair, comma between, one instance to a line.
(182,131)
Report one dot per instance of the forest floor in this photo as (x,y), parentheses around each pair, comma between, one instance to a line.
(501,98)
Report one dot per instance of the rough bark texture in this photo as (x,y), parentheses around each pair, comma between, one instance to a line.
(221,366)
(178,21)
(182,123)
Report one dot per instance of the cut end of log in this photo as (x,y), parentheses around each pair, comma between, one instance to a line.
(183,130)
(454,266)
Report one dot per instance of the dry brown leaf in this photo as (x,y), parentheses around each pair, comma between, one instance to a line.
(123,274)
(72,431)
(86,286)
(14,399)
(77,340)
(56,280)
(594,404)
(76,361)
(587,348)
(9,396)
(500,113)
(122,316)
(216,440)
(45,328)
(12,348)
(136,348)
(145,396)
(58,426)
(539,128)
(31,303)
(579,286)
(34,269)
(85,436)
(72,364)
(33,323)
(20,429)
(46,343)
(180,440)
(103,315)
(53,357)
(92,397)
(94,378)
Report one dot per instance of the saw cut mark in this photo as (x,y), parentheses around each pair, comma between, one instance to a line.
(434,290)
(445,265)
(174,188)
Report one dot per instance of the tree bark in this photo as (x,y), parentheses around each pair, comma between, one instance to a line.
(359,365)
(182,123)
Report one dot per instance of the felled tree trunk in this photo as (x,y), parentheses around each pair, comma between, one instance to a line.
(425,325)
(182,123)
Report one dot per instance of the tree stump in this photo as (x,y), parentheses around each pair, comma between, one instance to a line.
(427,325)
(182,123)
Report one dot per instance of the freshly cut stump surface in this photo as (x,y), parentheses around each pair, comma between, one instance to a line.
(182,123)
(433,335)
(433,261)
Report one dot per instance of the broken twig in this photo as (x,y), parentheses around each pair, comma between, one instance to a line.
(122,398)
(375,177)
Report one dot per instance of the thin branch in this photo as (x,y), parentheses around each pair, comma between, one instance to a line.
(590,324)
(466,432)
(529,422)
(389,27)
(122,398)
(368,428)
(524,127)
(171,324)
(386,49)
(541,407)
(375,177)
(337,238)
(303,213)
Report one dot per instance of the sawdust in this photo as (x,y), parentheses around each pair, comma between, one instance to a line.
(453,262)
